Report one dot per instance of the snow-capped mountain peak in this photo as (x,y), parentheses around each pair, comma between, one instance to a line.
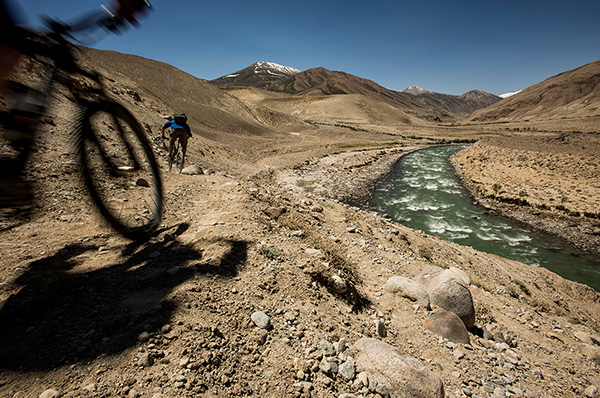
(415,90)
(273,68)
(259,74)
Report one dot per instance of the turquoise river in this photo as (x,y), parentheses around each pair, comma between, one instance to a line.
(424,193)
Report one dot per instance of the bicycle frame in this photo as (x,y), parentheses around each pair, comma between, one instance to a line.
(56,54)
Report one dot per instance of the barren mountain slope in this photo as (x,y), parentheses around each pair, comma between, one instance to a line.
(349,109)
(572,94)
(428,106)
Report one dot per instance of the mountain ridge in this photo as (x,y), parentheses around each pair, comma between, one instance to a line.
(573,93)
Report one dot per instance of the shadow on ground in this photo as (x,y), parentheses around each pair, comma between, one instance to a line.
(61,316)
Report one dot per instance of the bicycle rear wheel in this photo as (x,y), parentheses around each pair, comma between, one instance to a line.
(179,157)
(120,169)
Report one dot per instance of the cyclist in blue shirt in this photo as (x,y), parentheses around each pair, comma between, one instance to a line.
(179,128)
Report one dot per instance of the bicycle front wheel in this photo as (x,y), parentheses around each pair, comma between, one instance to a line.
(120,169)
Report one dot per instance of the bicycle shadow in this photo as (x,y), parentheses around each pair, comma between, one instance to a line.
(61,316)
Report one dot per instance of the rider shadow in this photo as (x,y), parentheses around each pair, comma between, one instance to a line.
(61,316)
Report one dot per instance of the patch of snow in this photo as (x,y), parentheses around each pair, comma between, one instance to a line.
(506,95)
(286,70)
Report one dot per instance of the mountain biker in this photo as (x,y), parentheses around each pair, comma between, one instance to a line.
(179,128)
(14,190)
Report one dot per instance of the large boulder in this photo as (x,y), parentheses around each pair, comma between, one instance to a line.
(448,325)
(394,374)
(409,289)
(448,289)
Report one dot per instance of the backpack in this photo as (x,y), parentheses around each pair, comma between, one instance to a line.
(180,119)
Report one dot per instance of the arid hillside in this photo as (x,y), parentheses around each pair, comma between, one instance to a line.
(574,94)
(229,134)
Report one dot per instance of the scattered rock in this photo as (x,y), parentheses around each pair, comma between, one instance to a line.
(143,337)
(275,212)
(50,393)
(338,284)
(448,325)
(394,373)
(146,360)
(591,392)
(449,292)
(347,370)
(192,170)
(261,320)
(380,329)
(590,351)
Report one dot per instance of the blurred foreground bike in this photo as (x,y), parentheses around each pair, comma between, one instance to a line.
(117,162)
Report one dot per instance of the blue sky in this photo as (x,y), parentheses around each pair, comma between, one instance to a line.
(446,46)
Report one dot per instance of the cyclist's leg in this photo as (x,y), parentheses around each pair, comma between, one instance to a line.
(172,142)
(184,142)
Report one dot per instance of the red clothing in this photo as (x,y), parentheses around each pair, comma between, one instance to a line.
(126,9)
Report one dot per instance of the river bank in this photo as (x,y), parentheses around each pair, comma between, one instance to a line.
(549,182)
(347,177)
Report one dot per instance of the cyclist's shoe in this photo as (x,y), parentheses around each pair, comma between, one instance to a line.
(15,193)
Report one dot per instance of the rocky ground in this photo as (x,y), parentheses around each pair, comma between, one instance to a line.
(550,181)
(238,294)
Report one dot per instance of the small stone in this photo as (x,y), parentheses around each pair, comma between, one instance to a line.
(364,378)
(591,392)
(165,329)
(143,337)
(261,320)
(193,170)
(327,348)
(298,233)
(347,370)
(50,393)
(301,364)
(340,346)
(328,367)
(314,252)
(338,284)
(380,329)
(146,360)
(290,316)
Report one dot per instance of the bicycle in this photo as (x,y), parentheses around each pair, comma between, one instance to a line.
(117,162)
(177,157)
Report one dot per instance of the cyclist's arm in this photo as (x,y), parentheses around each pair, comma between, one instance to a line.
(165,127)
(189,131)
